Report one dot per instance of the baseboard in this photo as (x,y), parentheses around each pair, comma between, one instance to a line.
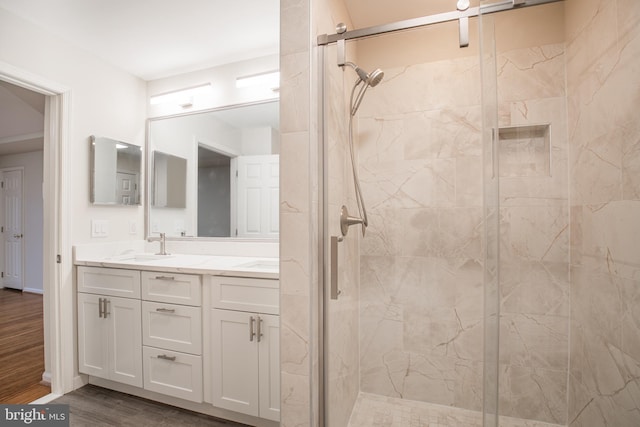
(46,378)
(80,380)
(33,291)
(46,399)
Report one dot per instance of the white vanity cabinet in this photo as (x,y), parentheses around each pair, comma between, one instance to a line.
(245,358)
(198,341)
(109,333)
(172,334)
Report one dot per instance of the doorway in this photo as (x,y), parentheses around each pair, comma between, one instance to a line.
(216,212)
(56,253)
(21,241)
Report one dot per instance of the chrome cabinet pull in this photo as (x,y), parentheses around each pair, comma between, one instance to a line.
(100,309)
(166,310)
(252,334)
(165,357)
(259,332)
(165,278)
(106,312)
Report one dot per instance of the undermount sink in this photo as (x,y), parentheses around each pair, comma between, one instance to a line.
(141,257)
(263,264)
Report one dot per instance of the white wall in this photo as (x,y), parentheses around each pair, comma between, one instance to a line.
(223,86)
(32,212)
(105,101)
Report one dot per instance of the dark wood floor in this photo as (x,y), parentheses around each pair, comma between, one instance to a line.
(96,406)
(21,347)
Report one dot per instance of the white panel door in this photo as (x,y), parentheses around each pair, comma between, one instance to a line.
(125,340)
(93,339)
(269,367)
(13,234)
(234,356)
(258,196)
(127,188)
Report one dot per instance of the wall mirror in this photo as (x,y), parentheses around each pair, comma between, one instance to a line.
(226,163)
(115,172)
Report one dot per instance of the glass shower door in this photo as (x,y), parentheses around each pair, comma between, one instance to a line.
(491,216)
(406,329)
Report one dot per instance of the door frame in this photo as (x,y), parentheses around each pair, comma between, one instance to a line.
(22,221)
(58,301)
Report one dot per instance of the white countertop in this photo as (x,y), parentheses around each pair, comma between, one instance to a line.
(239,266)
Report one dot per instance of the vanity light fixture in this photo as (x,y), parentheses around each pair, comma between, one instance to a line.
(269,79)
(182,97)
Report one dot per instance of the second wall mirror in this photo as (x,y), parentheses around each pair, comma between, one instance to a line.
(115,172)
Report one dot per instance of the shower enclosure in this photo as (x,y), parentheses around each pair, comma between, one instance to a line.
(460,168)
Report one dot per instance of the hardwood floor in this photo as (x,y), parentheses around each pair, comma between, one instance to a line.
(21,347)
(96,406)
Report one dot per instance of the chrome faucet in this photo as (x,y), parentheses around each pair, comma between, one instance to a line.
(163,241)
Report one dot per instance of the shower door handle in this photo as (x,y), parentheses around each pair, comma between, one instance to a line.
(334,291)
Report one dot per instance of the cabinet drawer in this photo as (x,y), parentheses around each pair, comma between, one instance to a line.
(170,326)
(171,287)
(173,373)
(245,294)
(109,281)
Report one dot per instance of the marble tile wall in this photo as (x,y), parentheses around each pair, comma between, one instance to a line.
(296,213)
(421,269)
(301,21)
(421,261)
(603,59)
(534,230)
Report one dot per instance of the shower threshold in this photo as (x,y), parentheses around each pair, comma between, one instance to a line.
(372,410)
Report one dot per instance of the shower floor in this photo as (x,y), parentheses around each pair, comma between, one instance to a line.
(372,410)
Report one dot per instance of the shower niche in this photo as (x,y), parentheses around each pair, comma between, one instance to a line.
(524,151)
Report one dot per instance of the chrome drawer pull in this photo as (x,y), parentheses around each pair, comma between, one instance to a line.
(259,333)
(165,357)
(165,278)
(106,311)
(252,334)
(166,310)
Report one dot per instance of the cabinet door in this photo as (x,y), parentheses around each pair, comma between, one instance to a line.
(93,338)
(125,340)
(269,367)
(234,358)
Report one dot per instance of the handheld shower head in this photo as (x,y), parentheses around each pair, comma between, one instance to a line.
(371,79)
(375,77)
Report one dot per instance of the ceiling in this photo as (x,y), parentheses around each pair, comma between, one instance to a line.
(150,39)
(21,119)
(159,38)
